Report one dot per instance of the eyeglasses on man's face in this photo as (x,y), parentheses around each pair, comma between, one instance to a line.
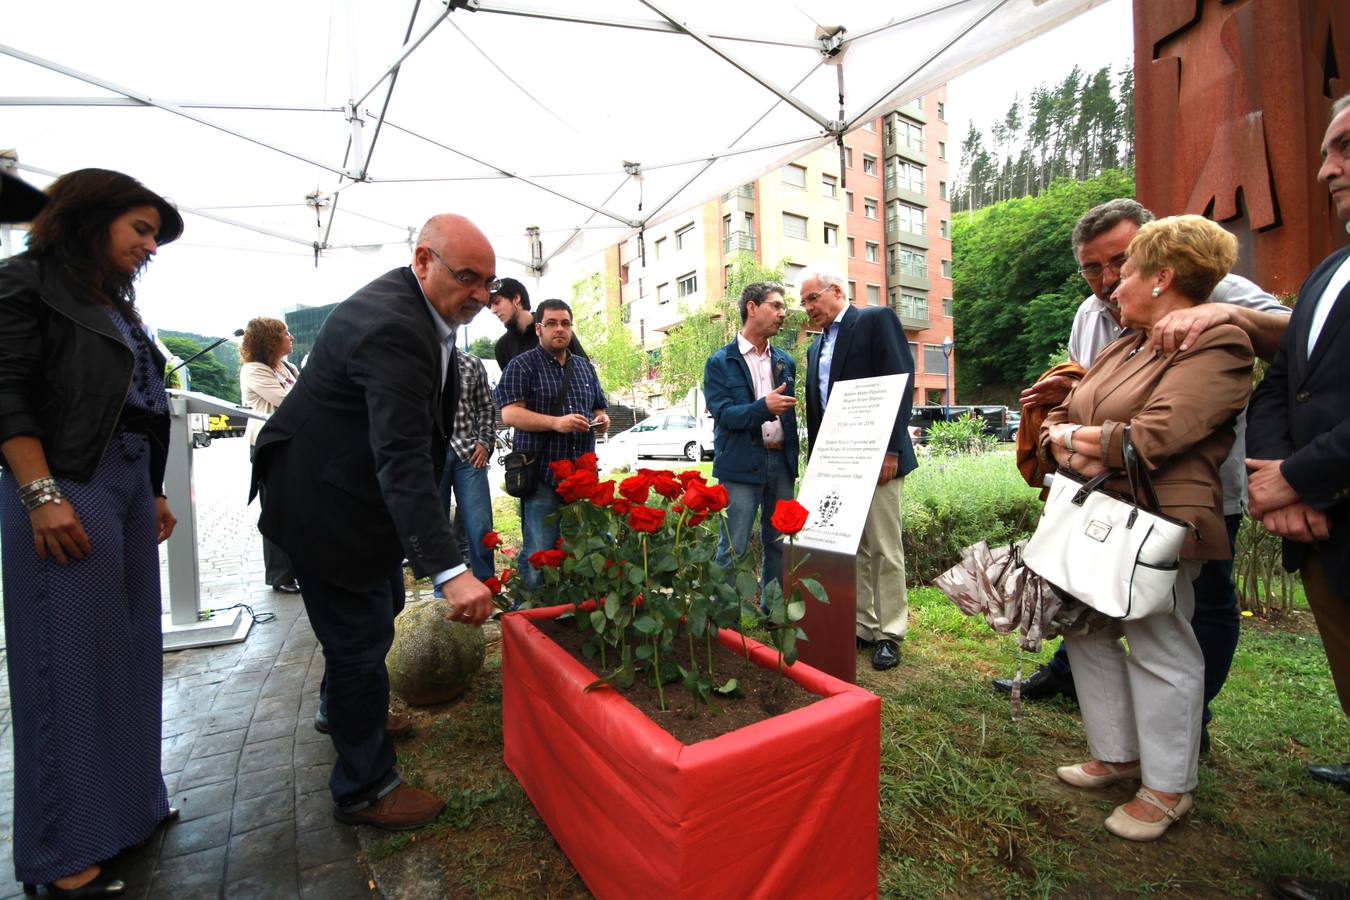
(1095,270)
(468,277)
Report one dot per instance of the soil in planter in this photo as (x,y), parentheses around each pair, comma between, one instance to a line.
(688,720)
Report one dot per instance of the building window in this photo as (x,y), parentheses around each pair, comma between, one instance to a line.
(829,185)
(687,284)
(869,164)
(663,293)
(874,295)
(873,252)
(684,237)
(906,133)
(933,360)
(792,272)
(659,247)
(912,306)
(848,201)
(947,307)
(904,217)
(794,226)
(848,157)
(946,268)
(942,111)
(851,254)
(794,175)
(869,207)
(852,290)
(910,262)
(942,149)
(942,189)
(945,229)
(905,176)
(914,351)
(831,235)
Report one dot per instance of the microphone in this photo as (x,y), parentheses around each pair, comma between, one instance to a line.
(239,332)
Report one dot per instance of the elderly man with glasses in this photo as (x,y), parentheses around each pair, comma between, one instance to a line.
(1099,242)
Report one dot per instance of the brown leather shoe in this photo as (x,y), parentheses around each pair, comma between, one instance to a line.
(402,809)
(397,726)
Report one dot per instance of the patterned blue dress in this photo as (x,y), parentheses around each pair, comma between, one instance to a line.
(85,659)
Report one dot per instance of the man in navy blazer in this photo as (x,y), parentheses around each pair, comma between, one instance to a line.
(865,343)
(1298,438)
(750,386)
(350,463)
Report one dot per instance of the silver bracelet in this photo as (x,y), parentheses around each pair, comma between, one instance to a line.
(39,492)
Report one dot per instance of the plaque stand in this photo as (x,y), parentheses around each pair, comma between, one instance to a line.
(830,628)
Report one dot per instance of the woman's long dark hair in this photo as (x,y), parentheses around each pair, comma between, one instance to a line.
(72,230)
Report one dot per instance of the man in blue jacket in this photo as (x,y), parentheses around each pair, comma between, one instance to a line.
(750,388)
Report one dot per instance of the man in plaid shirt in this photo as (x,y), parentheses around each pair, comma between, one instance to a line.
(528,395)
(466,462)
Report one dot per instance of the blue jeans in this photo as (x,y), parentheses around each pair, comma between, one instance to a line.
(473,505)
(743,501)
(536,533)
(1216,622)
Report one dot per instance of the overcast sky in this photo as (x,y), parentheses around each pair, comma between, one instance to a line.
(208,283)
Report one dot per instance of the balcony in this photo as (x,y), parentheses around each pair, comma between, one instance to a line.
(738,241)
(911,269)
(744,192)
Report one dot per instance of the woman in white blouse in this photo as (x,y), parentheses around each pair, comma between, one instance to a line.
(265,378)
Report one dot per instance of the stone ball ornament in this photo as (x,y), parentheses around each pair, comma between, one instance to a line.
(432,660)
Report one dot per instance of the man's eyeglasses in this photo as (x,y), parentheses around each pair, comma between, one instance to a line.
(1095,270)
(468,277)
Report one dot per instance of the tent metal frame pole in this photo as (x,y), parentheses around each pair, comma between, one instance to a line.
(761,80)
(535,12)
(356,151)
(405,53)
(147,100)
(183,104)
(226,220)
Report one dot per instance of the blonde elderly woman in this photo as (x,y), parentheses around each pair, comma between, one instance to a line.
(265,378)
(1142,709)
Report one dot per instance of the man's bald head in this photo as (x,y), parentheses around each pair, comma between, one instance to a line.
(455,264)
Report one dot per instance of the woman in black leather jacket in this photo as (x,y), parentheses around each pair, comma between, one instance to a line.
(84,430)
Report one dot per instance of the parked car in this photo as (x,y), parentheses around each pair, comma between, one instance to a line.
(1010,430)
(669,434)
(922,417)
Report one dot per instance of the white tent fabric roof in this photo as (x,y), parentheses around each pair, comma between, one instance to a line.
(583,120)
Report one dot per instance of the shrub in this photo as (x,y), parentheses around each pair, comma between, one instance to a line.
(952,502)
(963,435)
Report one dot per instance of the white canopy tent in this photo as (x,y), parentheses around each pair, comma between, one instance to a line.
(320,126)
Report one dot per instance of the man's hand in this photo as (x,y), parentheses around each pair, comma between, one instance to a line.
(468,599)
(1178,329)
(57,531)
(778,401)
(1297,522)
(572,422)
(1047,392)
(890,464)
(479,457)
(1266,488)
(601,421)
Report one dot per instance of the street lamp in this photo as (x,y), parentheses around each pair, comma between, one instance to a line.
(947,377)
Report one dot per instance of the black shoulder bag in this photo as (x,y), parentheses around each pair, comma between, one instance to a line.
(522,469)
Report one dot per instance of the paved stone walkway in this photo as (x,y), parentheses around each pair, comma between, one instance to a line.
(240,755)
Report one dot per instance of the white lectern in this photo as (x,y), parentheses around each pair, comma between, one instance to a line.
(182,625)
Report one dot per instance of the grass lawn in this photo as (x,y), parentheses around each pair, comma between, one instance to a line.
(970,805)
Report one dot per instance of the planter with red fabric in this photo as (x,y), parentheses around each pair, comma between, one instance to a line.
(784,807)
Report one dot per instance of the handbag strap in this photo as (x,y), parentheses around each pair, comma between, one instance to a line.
(560,400)
(1137,474)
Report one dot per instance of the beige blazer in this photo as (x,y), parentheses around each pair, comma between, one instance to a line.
(1180,408)
(262,391)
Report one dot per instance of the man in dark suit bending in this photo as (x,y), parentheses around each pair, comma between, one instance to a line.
(350,463)
(865,343)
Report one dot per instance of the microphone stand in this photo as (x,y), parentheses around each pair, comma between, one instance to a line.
(199,353)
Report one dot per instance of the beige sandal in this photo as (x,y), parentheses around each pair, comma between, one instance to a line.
(1122,824)
(1079,777)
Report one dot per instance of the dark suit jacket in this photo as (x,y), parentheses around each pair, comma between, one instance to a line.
(1301,413)
(738,440)
(351,460)
(870,343)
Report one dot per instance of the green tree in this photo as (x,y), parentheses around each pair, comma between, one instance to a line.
(483,348)
(207,374)
(609,343)
(1017,286)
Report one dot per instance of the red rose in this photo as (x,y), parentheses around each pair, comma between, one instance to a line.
(577,486)
(689,475)
(700,498)
(491,540)
(622,506)
(636,602)
(667,485)
(588,462)
(645,518)
(603,495)
(561,468)
(696,518)
(542,559)
(505,576)
(635,487)
(719,498)
(492,584)
(788,516)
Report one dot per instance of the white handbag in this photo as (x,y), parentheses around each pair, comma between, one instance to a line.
(1109,552)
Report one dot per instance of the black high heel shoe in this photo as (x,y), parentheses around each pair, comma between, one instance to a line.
(101,885)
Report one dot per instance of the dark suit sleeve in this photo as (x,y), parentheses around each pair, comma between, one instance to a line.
(890,356)
(1268,435)
(718,374)
(400,390)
